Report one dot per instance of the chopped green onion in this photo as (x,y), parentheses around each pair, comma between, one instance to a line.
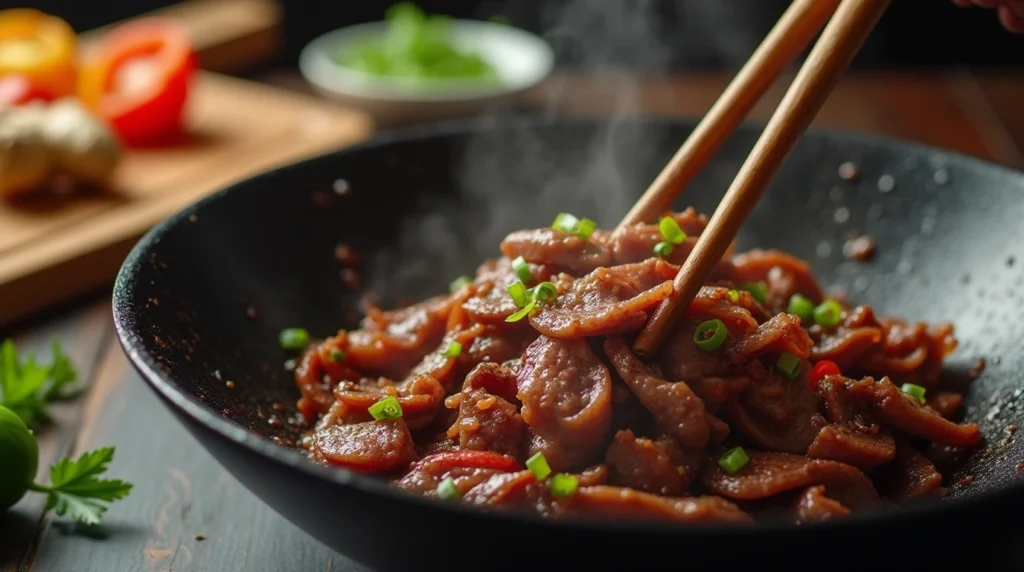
(453,350)
(710,335)
(519,294)
(582,228)
(544,292)
(828,313)
(585,228)
(759,290)
(446,490)
(914,391)
(801,306)
(734,295)
(563,485)
(418,48)
(663,249)
(458,283)
(387,408)
(670,230)
(565,222)
(539,466)
(337,355)
(522,270)
(522,313)
(789,365)
(733,460)
(293,339)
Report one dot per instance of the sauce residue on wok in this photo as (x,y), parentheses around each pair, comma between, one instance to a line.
(519,388)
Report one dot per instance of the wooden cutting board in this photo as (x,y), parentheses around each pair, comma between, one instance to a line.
(54,249)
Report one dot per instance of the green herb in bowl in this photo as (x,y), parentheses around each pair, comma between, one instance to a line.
(416,46)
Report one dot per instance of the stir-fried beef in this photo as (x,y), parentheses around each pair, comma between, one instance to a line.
(520,389)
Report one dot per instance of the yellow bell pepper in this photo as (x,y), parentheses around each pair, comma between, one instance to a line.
(39,47)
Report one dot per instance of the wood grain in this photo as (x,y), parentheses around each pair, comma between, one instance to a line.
(185,513)
(950,108)
(230,36)
(53,249)
(84,335)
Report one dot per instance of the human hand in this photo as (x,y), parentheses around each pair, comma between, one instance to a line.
(1011,12)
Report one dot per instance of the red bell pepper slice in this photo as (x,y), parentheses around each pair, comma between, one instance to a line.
(138,79)
(821,370)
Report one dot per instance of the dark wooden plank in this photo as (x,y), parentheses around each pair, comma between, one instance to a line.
(997,101)
(180,492)
(83,331)
(924,107)
(920,107)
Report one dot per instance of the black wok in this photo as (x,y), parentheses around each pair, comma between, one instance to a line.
(201,298)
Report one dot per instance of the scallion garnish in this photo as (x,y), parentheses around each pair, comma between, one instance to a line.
(733,460)
(710,335)
(527,299)
(522,270)
(458,283)
(387,408)
(565,222)
(295,339)
(663,249)
(789,365)
(915,391)
(337,355)
(670,230)
(828,313)
(446,490)
(453,350)
(734,296)
(539,466)
(582,228)
(585,228)
(519,294)
(523,312)
(544,292)
(564,485)
(802,307)
(759,290)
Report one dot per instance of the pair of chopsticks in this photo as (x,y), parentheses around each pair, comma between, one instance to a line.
(850,24)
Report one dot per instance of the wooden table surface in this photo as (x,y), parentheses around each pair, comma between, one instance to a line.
(187,514)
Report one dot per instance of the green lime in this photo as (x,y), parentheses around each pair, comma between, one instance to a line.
(20,454)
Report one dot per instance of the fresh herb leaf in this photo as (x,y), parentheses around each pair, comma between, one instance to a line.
(81,509)
(62,375)
(416,46)
(21,384)
(26,386)
(77,491)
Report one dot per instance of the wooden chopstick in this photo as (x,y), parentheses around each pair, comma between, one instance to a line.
(845,33)
(791,34)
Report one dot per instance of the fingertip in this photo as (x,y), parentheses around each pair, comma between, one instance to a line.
(1010,20)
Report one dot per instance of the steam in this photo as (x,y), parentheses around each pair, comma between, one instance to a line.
(519,179)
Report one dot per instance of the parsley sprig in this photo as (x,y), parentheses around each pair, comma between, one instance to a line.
(26,387)
(76,488)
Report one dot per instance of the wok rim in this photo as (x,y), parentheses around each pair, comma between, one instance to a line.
(984,505)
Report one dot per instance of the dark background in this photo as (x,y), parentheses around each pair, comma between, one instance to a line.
(643,35)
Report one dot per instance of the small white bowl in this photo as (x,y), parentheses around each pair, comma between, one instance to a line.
(521,59)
